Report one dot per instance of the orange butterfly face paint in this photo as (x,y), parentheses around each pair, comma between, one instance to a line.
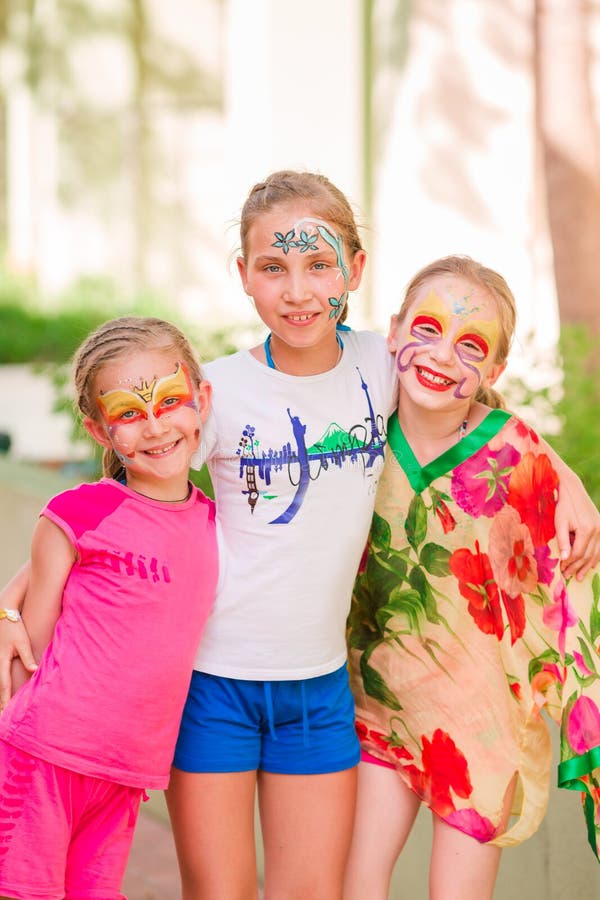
(161,396)
(145,406)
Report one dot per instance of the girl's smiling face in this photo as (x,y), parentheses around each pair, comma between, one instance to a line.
(150,413)
(446,342)
(297,271)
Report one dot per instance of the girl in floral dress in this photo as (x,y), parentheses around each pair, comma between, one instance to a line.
(462,628)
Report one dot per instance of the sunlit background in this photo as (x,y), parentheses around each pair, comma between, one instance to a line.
(132,130)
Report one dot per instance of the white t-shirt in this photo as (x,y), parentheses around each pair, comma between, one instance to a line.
(295,463)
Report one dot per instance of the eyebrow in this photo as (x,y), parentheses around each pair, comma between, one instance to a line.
(317,253)
(265,258)
(473,327)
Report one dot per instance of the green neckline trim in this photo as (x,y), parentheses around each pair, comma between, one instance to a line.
(570,771)
(420,477)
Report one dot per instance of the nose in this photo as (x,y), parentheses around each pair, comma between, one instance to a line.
(156,425)
(443,350)
(296,289)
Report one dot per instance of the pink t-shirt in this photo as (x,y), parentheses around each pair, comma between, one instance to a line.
(107,698)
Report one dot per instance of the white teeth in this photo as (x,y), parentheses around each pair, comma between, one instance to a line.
(161,450)
(300,318)
(436,379)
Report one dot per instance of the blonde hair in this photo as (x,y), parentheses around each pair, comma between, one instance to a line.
(288,186)
(489,280)
(114,340)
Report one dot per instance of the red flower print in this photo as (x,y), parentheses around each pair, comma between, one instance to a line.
(479,485)
(515,613)
(532,491)
(524,431)
(511,553)
(583,727)
(444,769)
(361,730)
(515,688)
(477,585)
(445,516)
(440,508)
(363,560)
(383,741)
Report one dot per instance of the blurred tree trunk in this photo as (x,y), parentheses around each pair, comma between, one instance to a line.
(571,155)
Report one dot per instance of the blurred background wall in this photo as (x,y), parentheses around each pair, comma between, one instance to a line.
(132,130)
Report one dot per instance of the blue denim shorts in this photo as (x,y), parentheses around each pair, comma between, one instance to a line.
(301,727)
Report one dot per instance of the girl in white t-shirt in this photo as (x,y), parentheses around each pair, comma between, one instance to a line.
(295,448)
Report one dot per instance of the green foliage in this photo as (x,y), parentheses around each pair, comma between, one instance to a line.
(30,332)
(202,480)
(579,407)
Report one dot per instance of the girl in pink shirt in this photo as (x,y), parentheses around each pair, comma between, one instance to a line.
(114,578)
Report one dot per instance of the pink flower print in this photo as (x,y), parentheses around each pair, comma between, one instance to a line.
(560,615)
(511,553)
(581,664)
(545,564)
(480,485)
(472,823)
(583,727)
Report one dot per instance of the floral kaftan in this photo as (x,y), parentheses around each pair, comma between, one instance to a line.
(462,630)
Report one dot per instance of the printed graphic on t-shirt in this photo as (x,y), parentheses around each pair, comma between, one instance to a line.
(133,564)
(361,443)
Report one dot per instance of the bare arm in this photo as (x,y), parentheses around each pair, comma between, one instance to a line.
(577,517)
(52,557)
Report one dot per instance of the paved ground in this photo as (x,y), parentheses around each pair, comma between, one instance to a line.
(152,873)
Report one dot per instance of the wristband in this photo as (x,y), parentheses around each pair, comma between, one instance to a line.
(13,615)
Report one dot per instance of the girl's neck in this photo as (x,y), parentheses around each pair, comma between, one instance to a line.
(300,361)
(170,491)
(431,432)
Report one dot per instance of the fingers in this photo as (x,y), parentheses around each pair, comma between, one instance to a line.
(23,650)
(583,555)
(565,540)
(5,682)
(14,643)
